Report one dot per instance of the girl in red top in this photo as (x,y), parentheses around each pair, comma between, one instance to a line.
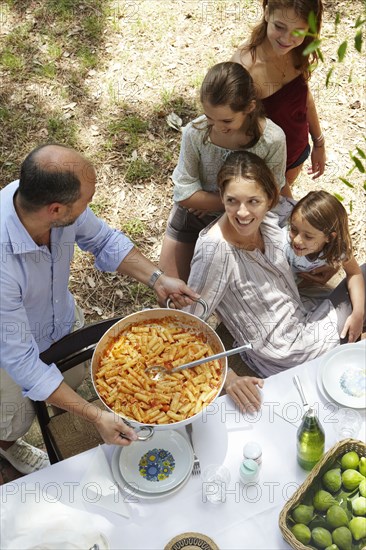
(273,56)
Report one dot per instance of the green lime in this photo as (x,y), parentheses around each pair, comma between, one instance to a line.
(351,479)
(321,537)
(350,460)
(362,466)
(342,537)
(358,528)
(301,532)
(323,500)
(336,516)
(332,480)
(303,514)
(359,506)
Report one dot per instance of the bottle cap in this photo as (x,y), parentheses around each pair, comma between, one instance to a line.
(248,471)
(253,451)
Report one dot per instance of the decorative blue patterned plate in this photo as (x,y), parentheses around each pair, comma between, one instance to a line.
(343,374)
(159,464)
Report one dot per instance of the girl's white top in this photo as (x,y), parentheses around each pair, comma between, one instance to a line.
(200,160)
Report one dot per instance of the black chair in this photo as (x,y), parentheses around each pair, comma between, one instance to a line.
(66,434)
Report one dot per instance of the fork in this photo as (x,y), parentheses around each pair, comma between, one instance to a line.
(196,463)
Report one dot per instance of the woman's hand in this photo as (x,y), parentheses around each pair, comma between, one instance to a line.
(111,427)
(318,158)
(353,326)
(175,289)
(243,390)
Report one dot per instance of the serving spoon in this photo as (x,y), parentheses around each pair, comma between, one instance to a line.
(298,386)
(159,371)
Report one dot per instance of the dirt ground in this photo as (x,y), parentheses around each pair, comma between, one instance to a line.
(103,76)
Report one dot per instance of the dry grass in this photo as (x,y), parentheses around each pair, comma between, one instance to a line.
(103,75)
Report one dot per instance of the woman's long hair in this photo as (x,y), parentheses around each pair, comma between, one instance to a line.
(230,84)
(302,8)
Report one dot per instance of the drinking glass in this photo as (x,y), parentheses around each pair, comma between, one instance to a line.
(215,479)
(347,423)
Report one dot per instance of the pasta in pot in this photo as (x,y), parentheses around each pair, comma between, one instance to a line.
(126,388)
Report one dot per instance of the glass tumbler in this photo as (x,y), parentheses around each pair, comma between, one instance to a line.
(215,480)
(347,423)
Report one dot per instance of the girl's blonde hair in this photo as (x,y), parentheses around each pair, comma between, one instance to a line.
(302,8)
(248,166)
(325,213)
(230,84)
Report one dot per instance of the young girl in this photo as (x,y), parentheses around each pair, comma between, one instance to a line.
(233,119)
(274,57)
(318,235)
(240,270)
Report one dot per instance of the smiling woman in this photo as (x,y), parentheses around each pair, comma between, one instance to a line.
(240,269)
(275,55)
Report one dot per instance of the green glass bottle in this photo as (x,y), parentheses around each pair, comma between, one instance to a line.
(310,440)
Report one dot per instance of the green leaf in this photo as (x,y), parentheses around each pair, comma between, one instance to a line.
(358,41)
(299,32)
(312,22)
(314,45)
(319,52)
(364,185)
(361,153)
(342,51)
(329,74)
(348,183)
(359,165)
(339,197)
(359,22)
(350,76)
(337,19)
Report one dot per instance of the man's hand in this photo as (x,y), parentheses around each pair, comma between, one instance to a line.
(175,289)
(243,390)
(319,275)
(111,427)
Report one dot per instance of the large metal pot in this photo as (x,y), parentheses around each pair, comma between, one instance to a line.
(180,318)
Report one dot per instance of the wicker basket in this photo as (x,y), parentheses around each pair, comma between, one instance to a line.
(318,471)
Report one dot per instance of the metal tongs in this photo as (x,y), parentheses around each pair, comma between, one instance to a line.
(159,371)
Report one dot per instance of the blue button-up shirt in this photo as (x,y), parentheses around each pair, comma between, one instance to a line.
(36,307)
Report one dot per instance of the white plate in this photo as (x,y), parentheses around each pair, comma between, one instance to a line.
(343,375)
(132,490)
(159,464)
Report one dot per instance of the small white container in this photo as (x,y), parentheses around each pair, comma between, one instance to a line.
(248,471)
(253,451)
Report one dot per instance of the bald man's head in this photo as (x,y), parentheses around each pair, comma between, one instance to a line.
(52,173)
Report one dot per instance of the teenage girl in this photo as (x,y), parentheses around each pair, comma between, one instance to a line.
(318,235)
(273,55)
(233,120)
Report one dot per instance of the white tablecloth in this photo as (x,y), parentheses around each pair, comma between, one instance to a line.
(219,437)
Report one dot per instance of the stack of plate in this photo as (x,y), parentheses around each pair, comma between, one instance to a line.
(342,375)
(155,468)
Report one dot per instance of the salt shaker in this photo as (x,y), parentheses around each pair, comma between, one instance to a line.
(253,451)
(248,471)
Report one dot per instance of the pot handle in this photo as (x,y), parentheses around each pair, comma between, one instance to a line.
(148,429)
(199,300)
